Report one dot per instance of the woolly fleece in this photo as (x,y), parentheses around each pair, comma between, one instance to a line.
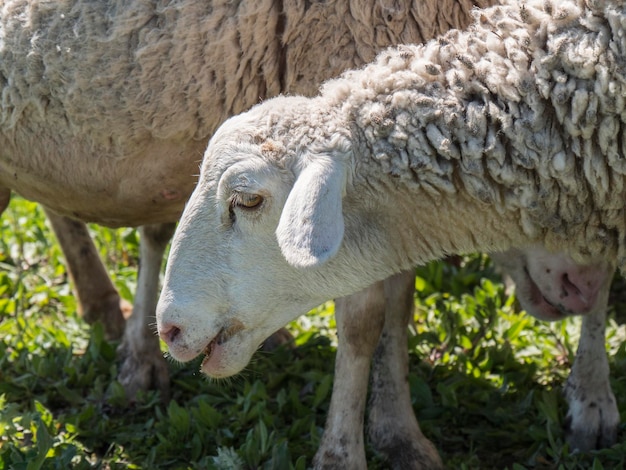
(522,114)
(106,106)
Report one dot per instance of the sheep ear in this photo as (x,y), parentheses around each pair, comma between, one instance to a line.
(311,226)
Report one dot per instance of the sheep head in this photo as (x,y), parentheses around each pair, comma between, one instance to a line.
(259,243)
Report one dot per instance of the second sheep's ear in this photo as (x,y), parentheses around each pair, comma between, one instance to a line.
(311,226)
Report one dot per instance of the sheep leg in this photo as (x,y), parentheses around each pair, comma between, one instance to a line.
(98,300)
(143,364)
(5,197)
(392,427)
(593,417)
(360,319)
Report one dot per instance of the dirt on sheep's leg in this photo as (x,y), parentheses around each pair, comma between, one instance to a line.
(593,418)
(143,365)
(360,320)
(392,426)
(98,300)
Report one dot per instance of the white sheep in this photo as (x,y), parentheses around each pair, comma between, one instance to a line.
(516,122)
(106,108)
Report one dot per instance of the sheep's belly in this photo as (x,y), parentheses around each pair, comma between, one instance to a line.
(144,188)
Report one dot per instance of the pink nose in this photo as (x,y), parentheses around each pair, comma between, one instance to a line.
(168,333)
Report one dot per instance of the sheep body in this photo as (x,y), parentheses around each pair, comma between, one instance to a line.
(122,95)
(380,172)
(530,125)
(120,128)
(512,121)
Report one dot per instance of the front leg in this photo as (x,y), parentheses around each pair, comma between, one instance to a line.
(98,298)
(393,428)
(593,417)
(143,364)
(360,320)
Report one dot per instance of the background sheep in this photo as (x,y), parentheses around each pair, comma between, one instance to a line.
(496,123)
(139,87)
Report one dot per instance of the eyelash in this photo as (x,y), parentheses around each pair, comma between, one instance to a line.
(245,202)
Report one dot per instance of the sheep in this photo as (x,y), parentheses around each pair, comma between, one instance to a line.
(516,121)
(105,115)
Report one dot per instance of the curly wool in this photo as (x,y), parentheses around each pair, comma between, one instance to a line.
(121,63)
(523,112)
(136,67)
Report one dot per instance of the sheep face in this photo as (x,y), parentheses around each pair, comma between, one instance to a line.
(257,245)
(214,291)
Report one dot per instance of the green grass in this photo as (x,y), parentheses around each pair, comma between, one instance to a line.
(485,379)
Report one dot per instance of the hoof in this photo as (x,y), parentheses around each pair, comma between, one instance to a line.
(280,338)
(143,371)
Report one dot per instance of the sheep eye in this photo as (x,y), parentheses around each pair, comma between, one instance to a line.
(247,201)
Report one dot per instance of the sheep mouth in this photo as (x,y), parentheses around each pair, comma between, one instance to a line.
(222,337)
(209,347)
